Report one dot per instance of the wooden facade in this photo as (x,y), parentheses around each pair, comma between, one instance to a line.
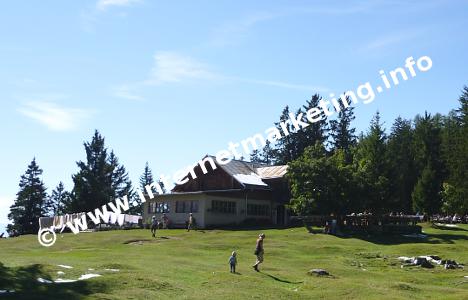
(229,194)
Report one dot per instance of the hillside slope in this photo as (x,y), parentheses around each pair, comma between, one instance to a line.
(194,265)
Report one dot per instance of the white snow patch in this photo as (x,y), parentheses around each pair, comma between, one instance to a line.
(88,276)
(64,266)
(42,280)
(447,225)
(60,273)
(403,258)
(113,270)
(65,281)
(6,291)
(91,270)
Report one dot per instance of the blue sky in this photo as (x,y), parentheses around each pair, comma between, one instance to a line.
(170,81)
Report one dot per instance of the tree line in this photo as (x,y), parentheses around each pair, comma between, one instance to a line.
(420,166)
(100,179)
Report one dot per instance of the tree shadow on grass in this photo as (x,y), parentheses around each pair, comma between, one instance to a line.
(435,226)
(395,239)
(23,281)
(279,279)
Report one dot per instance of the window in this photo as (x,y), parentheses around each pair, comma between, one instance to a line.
(194,206)
(158,207)
(187,206)
(258,210)
(225,207)
(162,207)
(151,207)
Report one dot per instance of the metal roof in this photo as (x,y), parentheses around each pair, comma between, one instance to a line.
(243,172)
(272,172)
(249,173)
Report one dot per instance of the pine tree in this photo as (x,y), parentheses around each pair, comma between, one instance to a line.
(372,166)
(268,154)
(286,146)
(118,176)
(426,194)
(100,179)
(318,131)
(315,132)
(146,178)
(455,149)
(58,203)
(255,156)
(343,135)
(427,145)
(401,161)
(29,204)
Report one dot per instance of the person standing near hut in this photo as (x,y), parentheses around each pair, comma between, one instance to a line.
(165,221)
(192,223)
(154,226)
(259,252)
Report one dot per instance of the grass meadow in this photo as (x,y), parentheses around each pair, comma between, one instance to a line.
(194,265)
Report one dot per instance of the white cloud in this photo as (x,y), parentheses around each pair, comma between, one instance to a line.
(105,4)
(127,91)
(173,67)
(312,88)
(234,32)
(389,40)
(54,116)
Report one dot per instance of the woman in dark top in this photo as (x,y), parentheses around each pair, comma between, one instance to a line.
(259,252)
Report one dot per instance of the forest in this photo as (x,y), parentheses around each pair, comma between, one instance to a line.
(419,166)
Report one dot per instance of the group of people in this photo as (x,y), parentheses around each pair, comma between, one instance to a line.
(192,224)
(164,223)
(155,224)
(450,219)
(258,253)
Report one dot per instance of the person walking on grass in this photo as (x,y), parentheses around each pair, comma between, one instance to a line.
(192,223)
(259,252)
(233,261)
(154,226)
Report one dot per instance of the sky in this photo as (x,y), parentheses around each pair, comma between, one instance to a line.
(170,81)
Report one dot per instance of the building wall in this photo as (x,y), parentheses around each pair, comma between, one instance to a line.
(177,218)
(213,218)
(211,213)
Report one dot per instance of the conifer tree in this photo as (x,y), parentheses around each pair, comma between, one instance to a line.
(427,145)
(286,146)
(29,204)
(100,179)
(343,135)
(426,194)
(402,170)
(373,167)
(268,154)
(255,156)
(58,203)
(146,178)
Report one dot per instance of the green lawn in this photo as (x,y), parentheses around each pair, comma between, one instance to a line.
(193,265)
